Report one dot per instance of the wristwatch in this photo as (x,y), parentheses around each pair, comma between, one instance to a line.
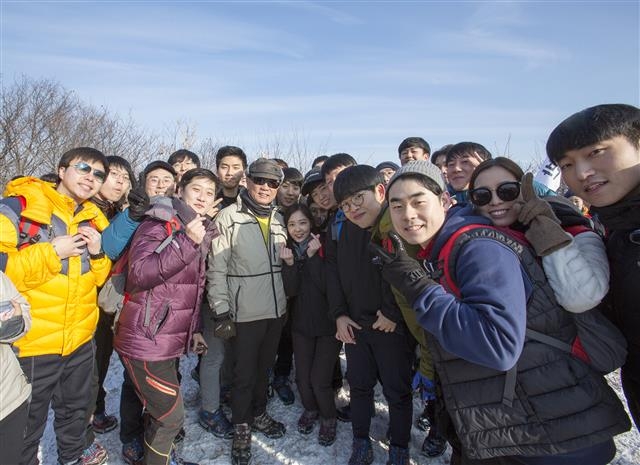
(97,256)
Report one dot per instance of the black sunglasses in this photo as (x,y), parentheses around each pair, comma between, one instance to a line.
(272,183)
(86,168)
(506,191)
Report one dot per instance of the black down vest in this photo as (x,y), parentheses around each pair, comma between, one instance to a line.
(549,403)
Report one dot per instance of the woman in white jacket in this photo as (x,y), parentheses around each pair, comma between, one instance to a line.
(15,391)
(573,255)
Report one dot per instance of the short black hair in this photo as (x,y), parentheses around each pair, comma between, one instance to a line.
(293,176)
(444,150)
(119,162)
(336,161)
(355,179)
(464,149)
(414,142)
(196,173)
(180,155)
(231,151)
(85,154)
(592,125)
(320,159)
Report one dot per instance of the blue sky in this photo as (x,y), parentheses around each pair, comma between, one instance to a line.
(356,77)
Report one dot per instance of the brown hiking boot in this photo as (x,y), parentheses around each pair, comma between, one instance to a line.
(327,433)
(268,426)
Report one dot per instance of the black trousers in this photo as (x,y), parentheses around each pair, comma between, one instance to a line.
(65,383)
(158,387)
(315,359)
(284,362)
(631,388)
(131,410)
(386,356)
(254,350)
(104,348)
(12,429)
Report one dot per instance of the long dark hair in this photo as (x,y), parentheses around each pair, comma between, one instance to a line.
(302,208)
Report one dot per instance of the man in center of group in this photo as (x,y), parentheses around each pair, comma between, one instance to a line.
(246,293)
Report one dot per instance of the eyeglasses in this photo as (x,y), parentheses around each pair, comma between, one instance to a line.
(272,183)
(124,177)
(506,191)
(356,200)
(86,168)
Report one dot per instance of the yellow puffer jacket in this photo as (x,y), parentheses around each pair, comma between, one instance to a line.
(62,293)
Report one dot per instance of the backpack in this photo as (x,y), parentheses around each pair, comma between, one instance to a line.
(598,342)
(112,296)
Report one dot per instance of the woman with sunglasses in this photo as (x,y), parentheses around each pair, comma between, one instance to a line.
(573,256)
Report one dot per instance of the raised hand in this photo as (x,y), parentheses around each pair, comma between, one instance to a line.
(92,238)
(286,254)
(195,229)
(68,246)
(314,245)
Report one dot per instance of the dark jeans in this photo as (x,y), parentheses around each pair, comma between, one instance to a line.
(65,383)
(104,349)
(284,362)
(254,349)
(631,387)
(12,428)
(159,389)
(315,359)
(386,356)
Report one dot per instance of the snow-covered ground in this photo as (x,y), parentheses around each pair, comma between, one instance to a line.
(294,448)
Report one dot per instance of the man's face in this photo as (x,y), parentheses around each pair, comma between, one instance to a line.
(260,190)
(319,213)
(199,194)
(441,162)
(230,172)
(81,180)
(331,176)
(116,185)
(386,174)
(417,213)
(288,194)
(603,173)
(183,166)
(413,153)
(460,169)
(159,182)
(363,207)
(323,196)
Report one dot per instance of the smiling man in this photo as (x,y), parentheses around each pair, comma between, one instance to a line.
(50,248)
(246,293)
(598,152)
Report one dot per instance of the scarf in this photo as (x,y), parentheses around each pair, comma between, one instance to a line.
(259,210)
(300,248)
(624,214)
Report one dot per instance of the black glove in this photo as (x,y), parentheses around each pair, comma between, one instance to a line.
(401,271)
(224,327)
(138,204)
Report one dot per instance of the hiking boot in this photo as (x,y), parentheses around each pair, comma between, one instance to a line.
(268,426)
(241,446)
(398,456)
(133,452)
(327,433)
(307,421)
(361,452)
(103,423)
(344,413)
(216,423)
(434,445)
(179,437)
(95,454)
(281,387)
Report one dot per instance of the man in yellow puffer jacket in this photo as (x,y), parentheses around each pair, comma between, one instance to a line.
(50,247)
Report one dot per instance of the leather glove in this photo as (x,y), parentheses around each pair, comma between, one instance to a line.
(138,204)
(544,232)
(224,327)
(401,271)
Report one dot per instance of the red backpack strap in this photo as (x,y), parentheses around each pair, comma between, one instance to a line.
(27,229)
(447,256)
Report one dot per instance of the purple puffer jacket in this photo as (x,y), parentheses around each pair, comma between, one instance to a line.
(164,286)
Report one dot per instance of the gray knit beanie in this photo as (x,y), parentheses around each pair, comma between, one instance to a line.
(421,167)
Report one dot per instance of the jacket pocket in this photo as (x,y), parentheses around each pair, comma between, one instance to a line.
(163,315)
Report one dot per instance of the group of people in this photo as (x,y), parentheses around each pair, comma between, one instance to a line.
(452,274)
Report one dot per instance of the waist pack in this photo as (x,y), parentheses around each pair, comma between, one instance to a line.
(598,342)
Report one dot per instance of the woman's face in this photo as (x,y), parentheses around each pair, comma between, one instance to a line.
(199,194)
(299,226)
(500,212)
